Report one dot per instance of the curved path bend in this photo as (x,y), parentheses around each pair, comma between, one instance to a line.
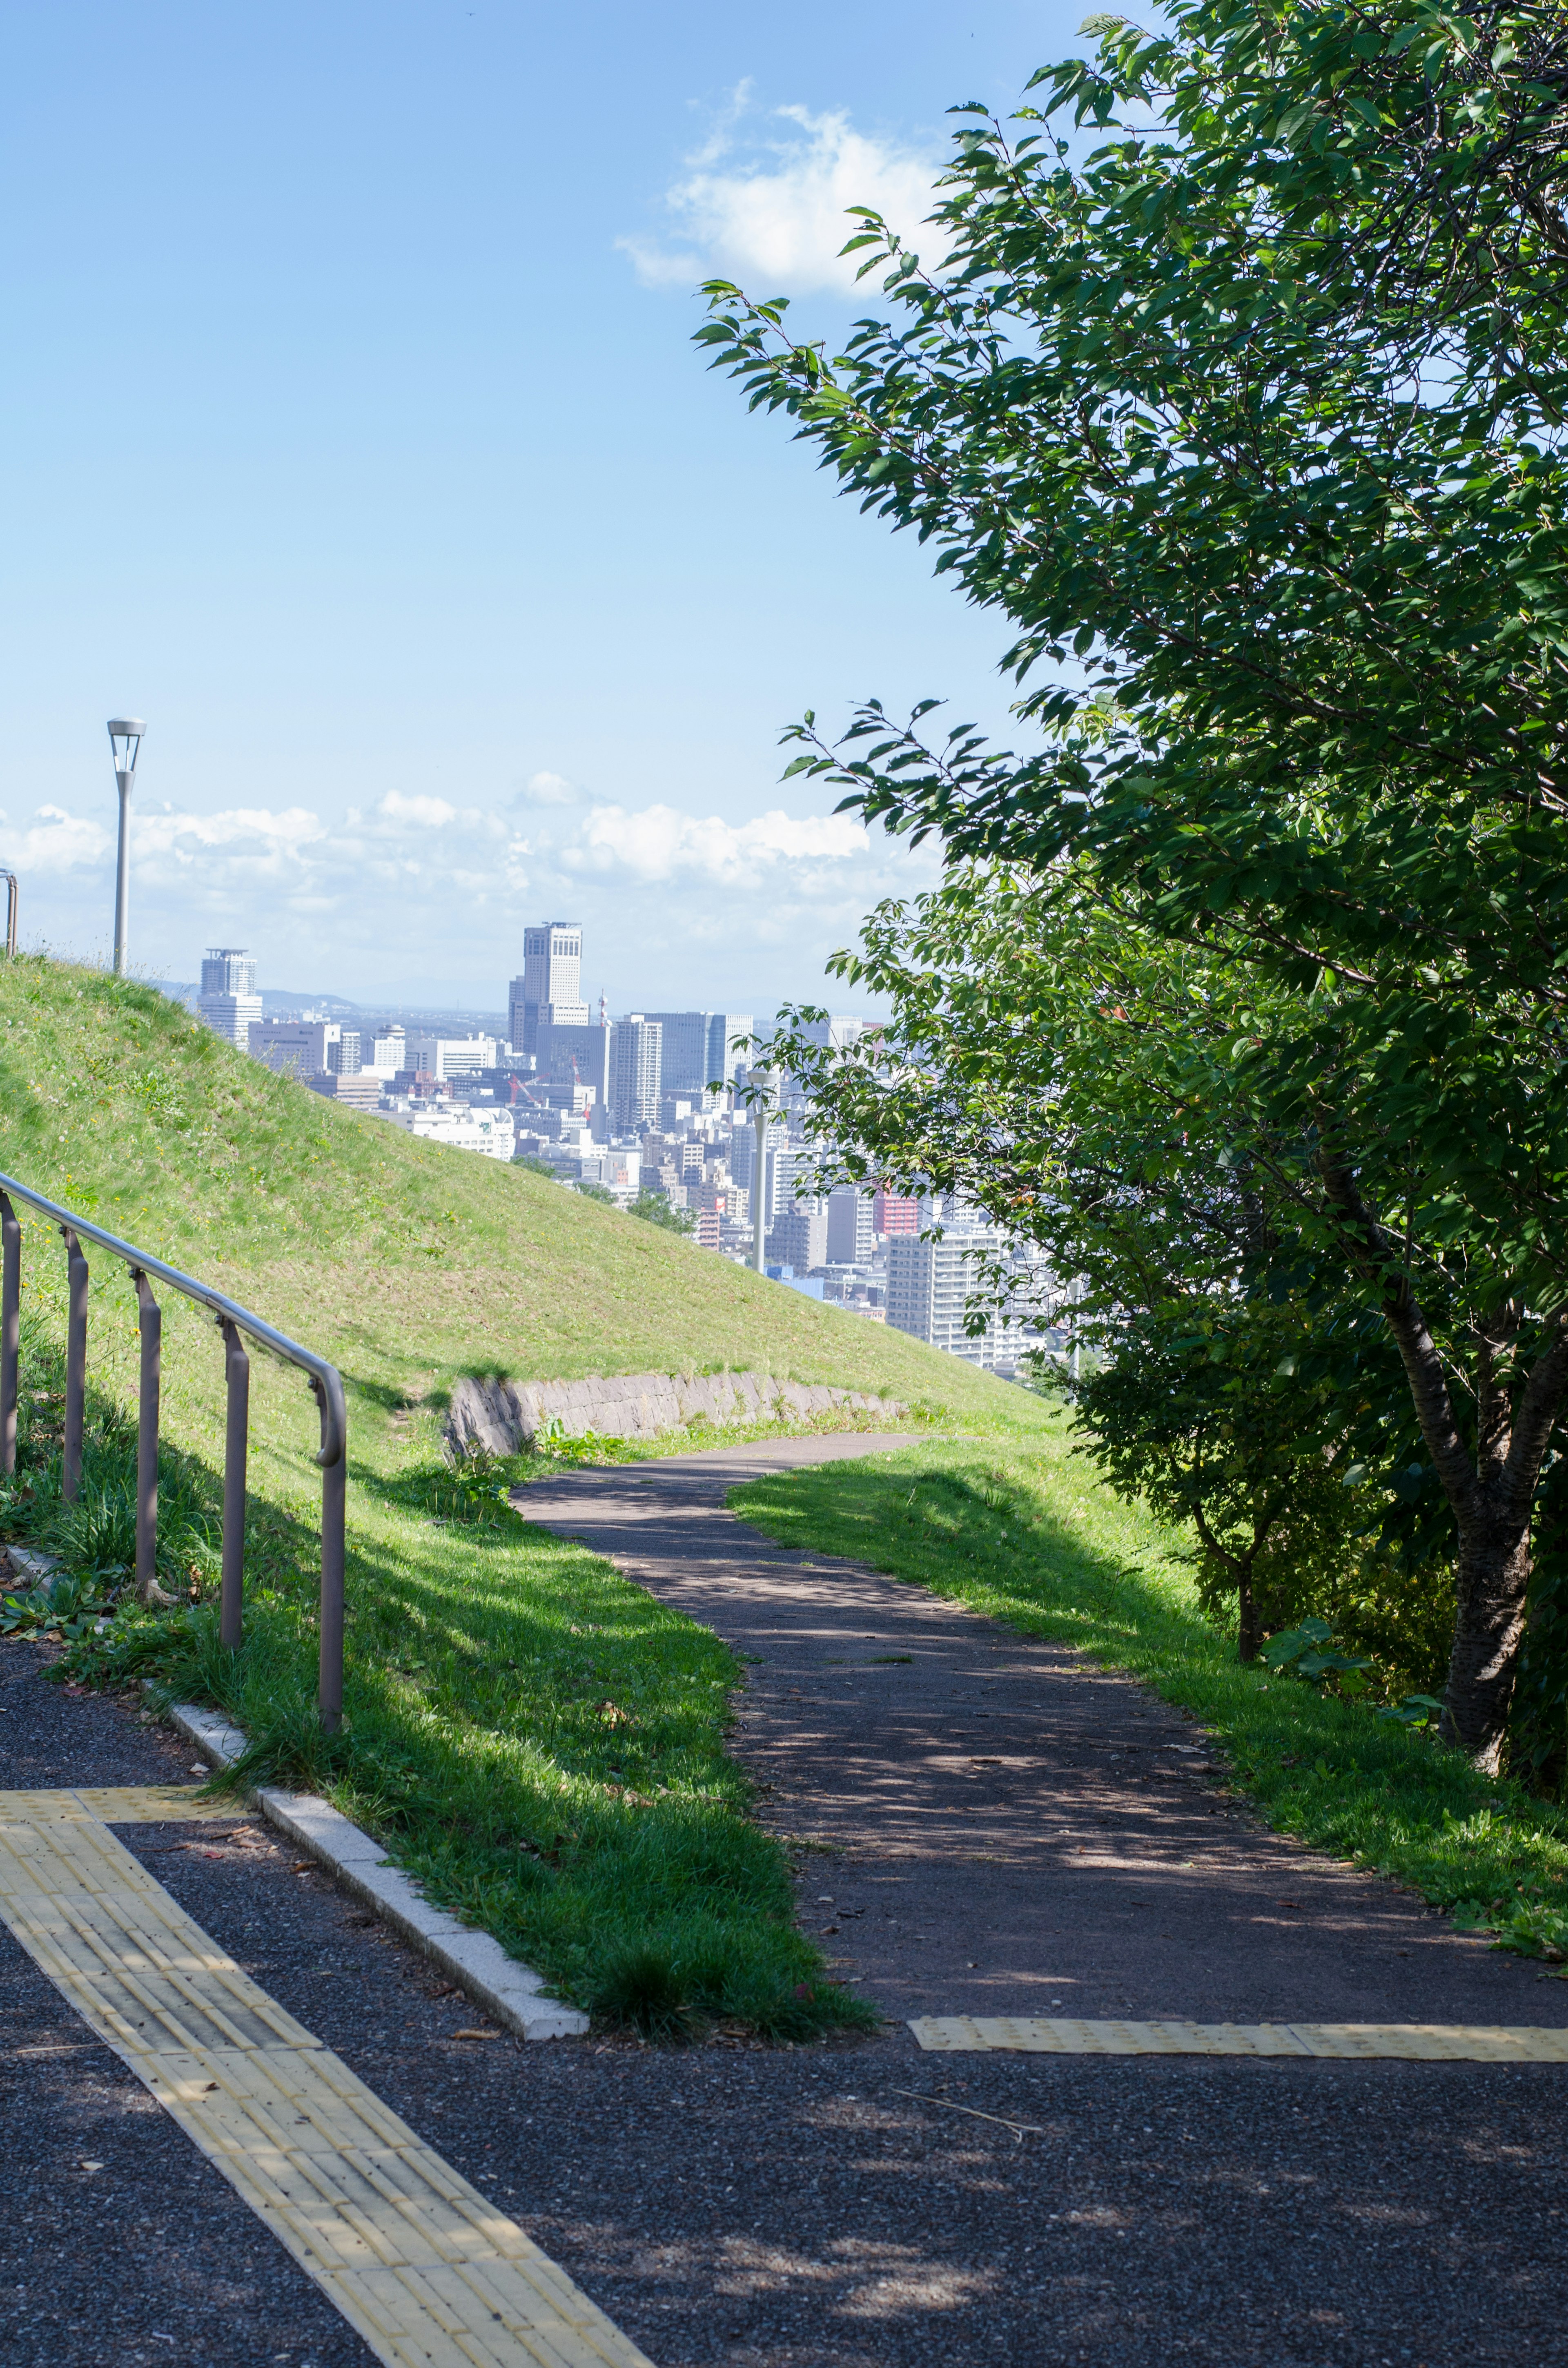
(1006,1828)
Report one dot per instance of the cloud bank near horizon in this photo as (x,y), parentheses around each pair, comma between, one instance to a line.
(419,897)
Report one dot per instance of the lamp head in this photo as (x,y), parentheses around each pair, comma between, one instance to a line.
(125,740)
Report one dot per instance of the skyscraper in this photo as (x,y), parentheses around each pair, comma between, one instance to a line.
(683,1051)
(635,1072)
(726,1031)
(229,1002)
(552,985)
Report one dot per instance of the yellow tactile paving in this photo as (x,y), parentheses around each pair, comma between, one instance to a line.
(1429,2043)
(116,1804)
(428,2273)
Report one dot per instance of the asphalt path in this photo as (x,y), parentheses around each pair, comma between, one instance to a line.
(860,2205)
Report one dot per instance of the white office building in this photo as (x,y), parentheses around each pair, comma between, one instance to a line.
(451,1056)
(488,1131)
(300,1048)
(229,1002)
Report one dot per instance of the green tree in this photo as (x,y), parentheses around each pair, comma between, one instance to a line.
(1048,1059)
(655,1210)
(1249,420)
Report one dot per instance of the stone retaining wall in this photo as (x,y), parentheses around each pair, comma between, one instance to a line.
(505,1416)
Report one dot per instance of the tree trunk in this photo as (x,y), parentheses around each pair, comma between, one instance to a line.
(1490,1585)
(1249,1635)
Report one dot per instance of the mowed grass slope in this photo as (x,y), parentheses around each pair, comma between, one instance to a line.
(536,1738)
(420,1264)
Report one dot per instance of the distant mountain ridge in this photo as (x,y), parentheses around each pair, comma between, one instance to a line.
(275,1000)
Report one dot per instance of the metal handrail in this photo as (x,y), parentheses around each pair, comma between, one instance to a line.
(327,1384)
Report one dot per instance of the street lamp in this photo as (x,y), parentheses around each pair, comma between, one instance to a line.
(761,1115)
(125,740)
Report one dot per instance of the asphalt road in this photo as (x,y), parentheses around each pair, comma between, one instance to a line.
(862,2205)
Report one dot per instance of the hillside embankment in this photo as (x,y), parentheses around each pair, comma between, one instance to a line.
(536,1738)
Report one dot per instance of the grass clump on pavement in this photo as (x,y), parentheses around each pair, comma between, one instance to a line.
(1023,1531)
(539,1741)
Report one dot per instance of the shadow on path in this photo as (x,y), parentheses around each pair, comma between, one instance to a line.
(1003,1827)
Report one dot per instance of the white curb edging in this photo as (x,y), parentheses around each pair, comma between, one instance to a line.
(476,1962)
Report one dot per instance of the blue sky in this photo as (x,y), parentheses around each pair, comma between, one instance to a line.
(354,438)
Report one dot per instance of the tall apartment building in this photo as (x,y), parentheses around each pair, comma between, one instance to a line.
(551,986)
(635,1081)
(929,1287)
(229,1002)
(895,1213)
(798,1235)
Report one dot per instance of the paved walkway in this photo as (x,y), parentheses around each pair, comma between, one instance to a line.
(1008,1830)
(739,2206)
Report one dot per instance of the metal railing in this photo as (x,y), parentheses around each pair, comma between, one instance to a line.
(327,1384)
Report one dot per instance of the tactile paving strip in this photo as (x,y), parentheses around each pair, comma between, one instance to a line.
(1422,2043)
(428,2273)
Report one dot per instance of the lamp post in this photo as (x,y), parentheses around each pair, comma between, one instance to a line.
(761,1115)
(125,741)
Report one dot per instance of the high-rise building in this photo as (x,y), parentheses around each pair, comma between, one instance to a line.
(575,1056)
(727,1031)
(343,1060)
(229,1002)
(895,1213)
(798,1235)
(683,1051)
(851,1228)
(551,986)
(636,1049)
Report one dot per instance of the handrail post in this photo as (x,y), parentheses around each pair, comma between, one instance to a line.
(231,1615)
(75,1365)
(150,1322)
(10,1331)
(334,1501)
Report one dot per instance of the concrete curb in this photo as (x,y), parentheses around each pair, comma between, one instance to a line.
(507,1990)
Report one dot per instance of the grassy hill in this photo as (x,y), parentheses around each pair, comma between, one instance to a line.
(406,1263)
(611,1849)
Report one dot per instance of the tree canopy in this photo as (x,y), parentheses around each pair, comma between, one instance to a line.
(1240,395)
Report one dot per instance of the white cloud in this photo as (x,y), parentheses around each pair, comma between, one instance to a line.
(780,215)
(678,903)
(56,841)
(432,814)
(661,843)
(548,790)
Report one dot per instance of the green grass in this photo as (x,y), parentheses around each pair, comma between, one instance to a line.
(488,1766)
(1026,1533)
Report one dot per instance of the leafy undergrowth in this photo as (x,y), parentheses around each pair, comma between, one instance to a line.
(1029,1536)
(538,1741)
